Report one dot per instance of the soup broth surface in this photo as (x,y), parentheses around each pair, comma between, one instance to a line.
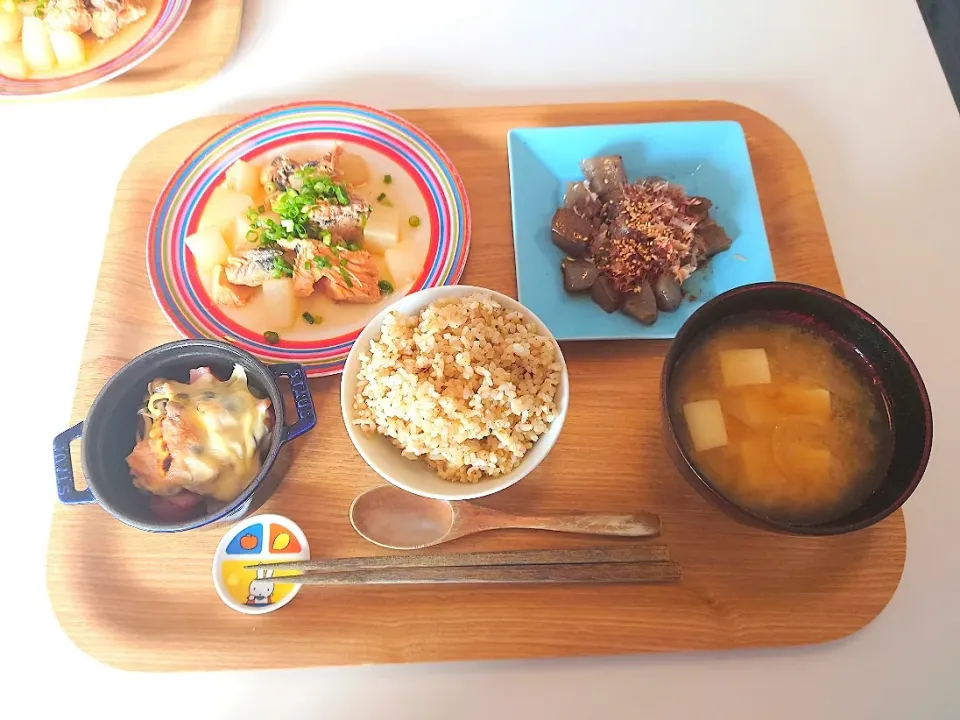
(780,420)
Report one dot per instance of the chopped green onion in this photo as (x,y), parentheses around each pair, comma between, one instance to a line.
(309,318)
(386,203)
(414,221)
(387,179)
(385,287)
(294,208)
(308,264)
(343,262)
(354,247)
(271,337)
(381,197)
(346,277)
(321,261)
(281,268)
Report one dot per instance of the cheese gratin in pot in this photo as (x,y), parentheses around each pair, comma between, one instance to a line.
(110,429)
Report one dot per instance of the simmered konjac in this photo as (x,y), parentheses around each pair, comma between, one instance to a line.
(293,231)
(780,421)
(632,245)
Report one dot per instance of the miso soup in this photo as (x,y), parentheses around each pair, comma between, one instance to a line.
(786,423)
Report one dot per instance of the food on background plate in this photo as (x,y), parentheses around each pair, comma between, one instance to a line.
(465,385)
(286,235)
(38,37)
(632,245)
(200,442)
(780,421)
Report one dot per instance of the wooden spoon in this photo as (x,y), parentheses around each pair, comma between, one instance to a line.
(393,518)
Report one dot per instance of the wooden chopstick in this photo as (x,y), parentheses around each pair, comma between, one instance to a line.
(614,554)
(615,572)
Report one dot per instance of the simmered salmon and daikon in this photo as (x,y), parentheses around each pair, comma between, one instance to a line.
(41,38)
(286,246)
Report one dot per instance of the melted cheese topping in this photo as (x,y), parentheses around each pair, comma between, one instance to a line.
(206,435)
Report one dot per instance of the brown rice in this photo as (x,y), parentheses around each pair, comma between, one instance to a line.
(467,385)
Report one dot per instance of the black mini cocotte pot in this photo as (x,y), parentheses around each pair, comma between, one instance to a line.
(110,428)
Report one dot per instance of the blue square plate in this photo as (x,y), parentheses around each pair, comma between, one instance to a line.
(709,159)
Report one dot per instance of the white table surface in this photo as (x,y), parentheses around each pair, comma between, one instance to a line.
(857,85)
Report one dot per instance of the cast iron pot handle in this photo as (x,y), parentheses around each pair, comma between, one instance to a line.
(306,415)
(63,467)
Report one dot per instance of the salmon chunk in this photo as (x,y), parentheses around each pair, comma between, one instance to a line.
(344,275)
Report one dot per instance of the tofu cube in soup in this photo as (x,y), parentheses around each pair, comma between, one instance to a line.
(382,230)
(208,247)
(223,207)
(570,232)
(744,367)
(705,424)
(280,302)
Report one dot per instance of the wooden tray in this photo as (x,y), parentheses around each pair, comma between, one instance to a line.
(741,587)
(193,54)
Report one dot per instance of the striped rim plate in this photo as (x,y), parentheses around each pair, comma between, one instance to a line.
(172,271)
(171,15)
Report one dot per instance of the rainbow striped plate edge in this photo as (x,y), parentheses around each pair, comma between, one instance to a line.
(180,204)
